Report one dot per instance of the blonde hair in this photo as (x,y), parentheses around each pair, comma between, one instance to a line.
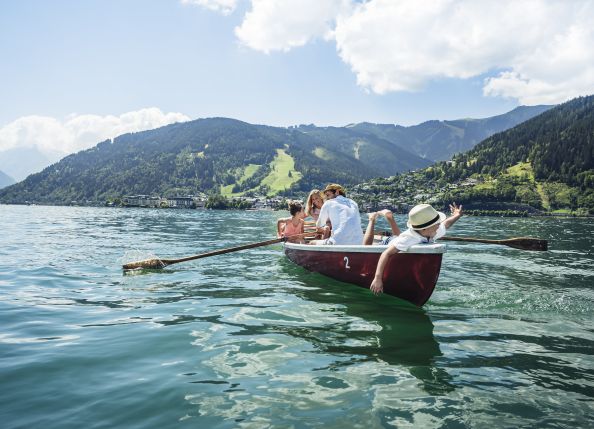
(309,204)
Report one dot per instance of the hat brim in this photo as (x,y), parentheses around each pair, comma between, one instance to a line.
(442,217)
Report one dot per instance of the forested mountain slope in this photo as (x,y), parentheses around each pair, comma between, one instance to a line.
(220,155)
(210,155)
(545,163)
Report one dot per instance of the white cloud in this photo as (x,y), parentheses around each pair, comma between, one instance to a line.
(536,51)
(223,6)
(544,46)
(77,132)
(281,25)
(557,69)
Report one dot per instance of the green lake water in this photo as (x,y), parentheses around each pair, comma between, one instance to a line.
(250,340)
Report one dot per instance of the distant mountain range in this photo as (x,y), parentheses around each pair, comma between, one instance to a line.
(5,180)
(545,163)
(233,157)
(18,163)
(440,140)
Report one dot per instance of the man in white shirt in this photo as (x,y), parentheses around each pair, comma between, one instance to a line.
(343,214)
(425,225)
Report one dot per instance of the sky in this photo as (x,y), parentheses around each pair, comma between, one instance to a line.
(74,73)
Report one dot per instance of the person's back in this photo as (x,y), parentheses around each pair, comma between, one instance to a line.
(346,221)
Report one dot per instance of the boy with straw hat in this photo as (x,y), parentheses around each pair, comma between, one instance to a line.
(425,225)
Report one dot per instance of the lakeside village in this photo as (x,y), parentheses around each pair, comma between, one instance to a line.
(220,202)
(211,202)
(397,193)
(369,198)
(399,198)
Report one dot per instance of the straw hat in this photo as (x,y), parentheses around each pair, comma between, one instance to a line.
(423,216)
(334,187)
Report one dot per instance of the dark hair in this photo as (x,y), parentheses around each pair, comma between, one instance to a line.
(295,207)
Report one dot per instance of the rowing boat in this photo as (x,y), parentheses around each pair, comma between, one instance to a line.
(410,275)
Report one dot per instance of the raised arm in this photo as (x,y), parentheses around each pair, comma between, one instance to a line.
(456,214)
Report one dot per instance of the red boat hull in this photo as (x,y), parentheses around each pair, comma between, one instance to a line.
(411,276)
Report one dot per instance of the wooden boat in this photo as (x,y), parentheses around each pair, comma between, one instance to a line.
(408,275)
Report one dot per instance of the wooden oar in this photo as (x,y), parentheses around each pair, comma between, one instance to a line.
(157,263)
(523,243)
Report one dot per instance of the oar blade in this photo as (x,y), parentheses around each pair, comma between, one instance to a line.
(151,264)
(525,243)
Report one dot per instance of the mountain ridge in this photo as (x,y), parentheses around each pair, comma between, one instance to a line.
(427,138)
(219,155)
(5,180)
(545,164)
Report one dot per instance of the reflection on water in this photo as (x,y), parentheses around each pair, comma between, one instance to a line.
(326,348)
(401,335)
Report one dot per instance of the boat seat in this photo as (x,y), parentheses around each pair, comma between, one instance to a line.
(310,227)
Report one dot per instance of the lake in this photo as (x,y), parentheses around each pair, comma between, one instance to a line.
(250,340)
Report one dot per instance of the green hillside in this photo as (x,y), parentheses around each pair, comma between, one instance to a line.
(209,155)
(545,164)
(230,157)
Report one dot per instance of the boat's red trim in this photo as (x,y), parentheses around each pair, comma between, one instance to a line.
(411,275)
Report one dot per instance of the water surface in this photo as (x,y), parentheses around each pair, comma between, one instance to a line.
(250,340)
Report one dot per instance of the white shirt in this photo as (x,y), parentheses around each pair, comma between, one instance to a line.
(410,237)
(343,213)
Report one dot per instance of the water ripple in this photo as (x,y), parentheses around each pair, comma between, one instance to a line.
(250,340)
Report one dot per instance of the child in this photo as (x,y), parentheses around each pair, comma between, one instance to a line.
(425,225)
(286,227)
(314,203)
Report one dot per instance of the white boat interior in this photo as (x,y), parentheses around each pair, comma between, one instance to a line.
(359,248)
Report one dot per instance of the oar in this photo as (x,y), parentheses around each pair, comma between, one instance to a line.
(523,243)
(156,263)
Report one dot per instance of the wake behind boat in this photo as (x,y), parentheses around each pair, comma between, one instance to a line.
(410,275)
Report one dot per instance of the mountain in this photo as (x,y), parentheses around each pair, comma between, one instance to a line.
(545,163)
(20,162)
(231,157)
(440,140)
(5,180)
(212,155)
(368,148)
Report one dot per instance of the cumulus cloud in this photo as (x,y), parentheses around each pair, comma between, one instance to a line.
(77,132)
(281,25)
(223,6)
(536,51)
(539,50)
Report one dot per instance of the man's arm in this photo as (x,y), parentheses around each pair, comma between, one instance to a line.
(377,285)
(456,214)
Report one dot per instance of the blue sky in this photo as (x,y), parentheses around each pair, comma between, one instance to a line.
(76,72)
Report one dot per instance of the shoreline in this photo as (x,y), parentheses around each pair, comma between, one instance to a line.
(484,213)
